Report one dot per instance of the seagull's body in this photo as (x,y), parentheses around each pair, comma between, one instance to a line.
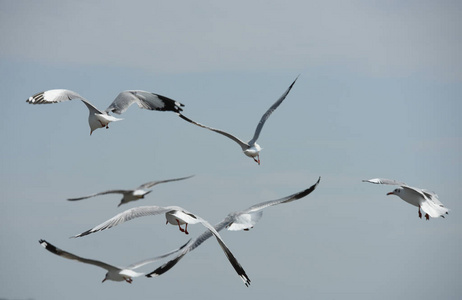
(240,220)
(426,200)
(176,216)
(99,119)
(250,148)
(113,273)
(131,195)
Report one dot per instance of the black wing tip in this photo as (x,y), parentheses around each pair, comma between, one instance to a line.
(37,99)
(81,234)
(170,104)
(48,246)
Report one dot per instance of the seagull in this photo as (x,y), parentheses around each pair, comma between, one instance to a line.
(250,148)
(426,200)
(177,216)
(113,273)
(132,195)
(240,220)
(99,119)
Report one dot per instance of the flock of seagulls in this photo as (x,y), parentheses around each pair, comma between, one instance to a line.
(425,200)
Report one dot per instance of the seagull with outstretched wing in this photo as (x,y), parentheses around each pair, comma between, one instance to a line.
(132,195)
(177,216)
(113,273)
(250,148)
(426,200)
(240,220)
(99,119)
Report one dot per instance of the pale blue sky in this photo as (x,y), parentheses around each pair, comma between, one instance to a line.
(378,96)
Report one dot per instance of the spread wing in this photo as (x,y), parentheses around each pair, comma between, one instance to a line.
(385,181)
(144,100)
(55,250)
(98,194)
(268,113)
(127,215)
(154,259)
(242,144)
(150,184)
(60,95)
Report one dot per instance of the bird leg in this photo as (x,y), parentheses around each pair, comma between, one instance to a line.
(420,214)
(427,217)
(257,160)
(181,229)
(129,280)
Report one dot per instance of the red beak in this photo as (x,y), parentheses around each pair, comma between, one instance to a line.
(390,193)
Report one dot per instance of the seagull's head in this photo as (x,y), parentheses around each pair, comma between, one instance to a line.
(396,192)
(106,277)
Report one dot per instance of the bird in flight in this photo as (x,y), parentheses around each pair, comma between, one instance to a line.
(250,148)
(132,195)
(426,200)
(99,119)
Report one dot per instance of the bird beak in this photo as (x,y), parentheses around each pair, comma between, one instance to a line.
(390,193)
(103,280)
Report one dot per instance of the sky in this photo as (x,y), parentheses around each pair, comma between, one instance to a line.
(378,95)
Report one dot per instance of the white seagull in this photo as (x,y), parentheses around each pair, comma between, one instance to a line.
(240,220)
(426,200)
(113,273)
(176,216)
(250,148)
(99,119)
(132,195)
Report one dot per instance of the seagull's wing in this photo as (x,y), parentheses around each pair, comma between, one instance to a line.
(101,193)
(385,181)
(243,145)
(432,196)
(430,203)
(154,259)
(144,100)
(247,218)
(290,198)
(127,215)
(60,95)
(68,255)
(193,219)
(150,184)
(434,209)
(268,113)
(193,245)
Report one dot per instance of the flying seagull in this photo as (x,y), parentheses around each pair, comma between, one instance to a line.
(423,199)
(132,195)
(99,119)
(240,220)
(113,273)
(176,216)
(250,148)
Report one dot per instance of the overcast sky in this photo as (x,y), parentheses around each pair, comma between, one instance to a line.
(378,96)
